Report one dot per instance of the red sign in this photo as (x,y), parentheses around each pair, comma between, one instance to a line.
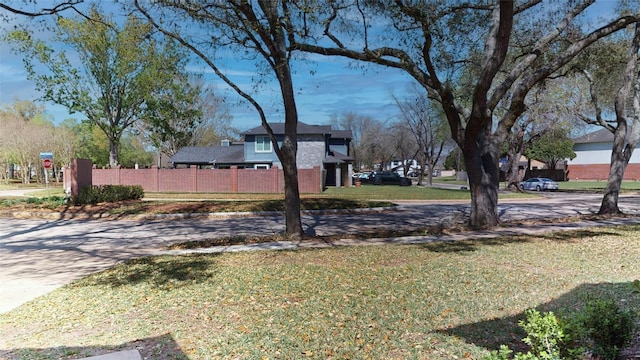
(46,163)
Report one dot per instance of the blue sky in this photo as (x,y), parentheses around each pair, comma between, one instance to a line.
(333,89)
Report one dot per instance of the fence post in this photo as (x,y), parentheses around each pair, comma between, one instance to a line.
(194,178)
(317,176)
(155,174)
(80,175)
(234,179)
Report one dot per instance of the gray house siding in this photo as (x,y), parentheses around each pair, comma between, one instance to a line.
(311,151)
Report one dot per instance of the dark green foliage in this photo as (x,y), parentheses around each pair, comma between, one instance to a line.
(601,328)
(454,161)
(108,193)
(607,327)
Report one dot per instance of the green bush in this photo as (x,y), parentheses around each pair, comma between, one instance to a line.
(108,193)
(549,337)
(606,327)
(601,327)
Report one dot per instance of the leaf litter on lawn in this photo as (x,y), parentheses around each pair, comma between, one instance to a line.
(382,302)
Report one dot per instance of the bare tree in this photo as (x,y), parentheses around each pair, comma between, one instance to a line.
(22,141)
(428,128)
(363,129)
(403,146)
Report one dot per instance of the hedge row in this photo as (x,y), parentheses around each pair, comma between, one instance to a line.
(107,193)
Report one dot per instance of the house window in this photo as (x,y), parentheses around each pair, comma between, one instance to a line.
(261,166)
(263,144)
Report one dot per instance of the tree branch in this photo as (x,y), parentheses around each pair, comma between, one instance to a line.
(43,12)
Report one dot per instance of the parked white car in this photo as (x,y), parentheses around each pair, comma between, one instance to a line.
(539,184)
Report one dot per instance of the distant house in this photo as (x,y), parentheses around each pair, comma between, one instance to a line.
(398,166)
(218,157)
(593,158)
(318,145)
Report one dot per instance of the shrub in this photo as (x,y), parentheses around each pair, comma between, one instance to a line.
(549,337)
(606,327)
(602,327)
(108,193)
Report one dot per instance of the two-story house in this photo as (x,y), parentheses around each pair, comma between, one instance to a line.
(318,145)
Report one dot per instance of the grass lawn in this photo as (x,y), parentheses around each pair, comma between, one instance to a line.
(574,185)
(434,301)
(331,198)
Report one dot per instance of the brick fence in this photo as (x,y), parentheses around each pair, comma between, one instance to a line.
(232,180)
(600,172)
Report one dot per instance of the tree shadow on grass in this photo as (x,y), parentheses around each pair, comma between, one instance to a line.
(157,348)
(161,271)
(490,334)
(462,246)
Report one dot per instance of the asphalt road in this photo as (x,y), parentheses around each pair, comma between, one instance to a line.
(37,256)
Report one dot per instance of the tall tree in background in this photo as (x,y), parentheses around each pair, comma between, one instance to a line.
(25,132)
(363,131)
(552,147)
(257,31)
(545,120)
(172,117)
(120,70)
(626,125)
(215,124)
(402,145)
(186,116)
(434,41)
(428,127)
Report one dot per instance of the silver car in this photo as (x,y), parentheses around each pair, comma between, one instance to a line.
(539,184)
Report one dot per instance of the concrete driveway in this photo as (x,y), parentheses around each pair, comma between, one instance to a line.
(37,256)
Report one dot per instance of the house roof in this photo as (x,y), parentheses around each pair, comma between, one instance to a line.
(344,134)
(231,154)
(601,136)
(303,129)
(337,158)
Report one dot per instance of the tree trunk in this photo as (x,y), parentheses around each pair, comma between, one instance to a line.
(482,168)
(513,170)
(625,136)
(113,153)
(619,162)
(289,148)
(293,219)
(609,205)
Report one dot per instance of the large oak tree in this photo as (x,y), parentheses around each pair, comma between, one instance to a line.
(434,41)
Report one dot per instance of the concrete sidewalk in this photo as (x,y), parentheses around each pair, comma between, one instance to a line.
(534,229)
